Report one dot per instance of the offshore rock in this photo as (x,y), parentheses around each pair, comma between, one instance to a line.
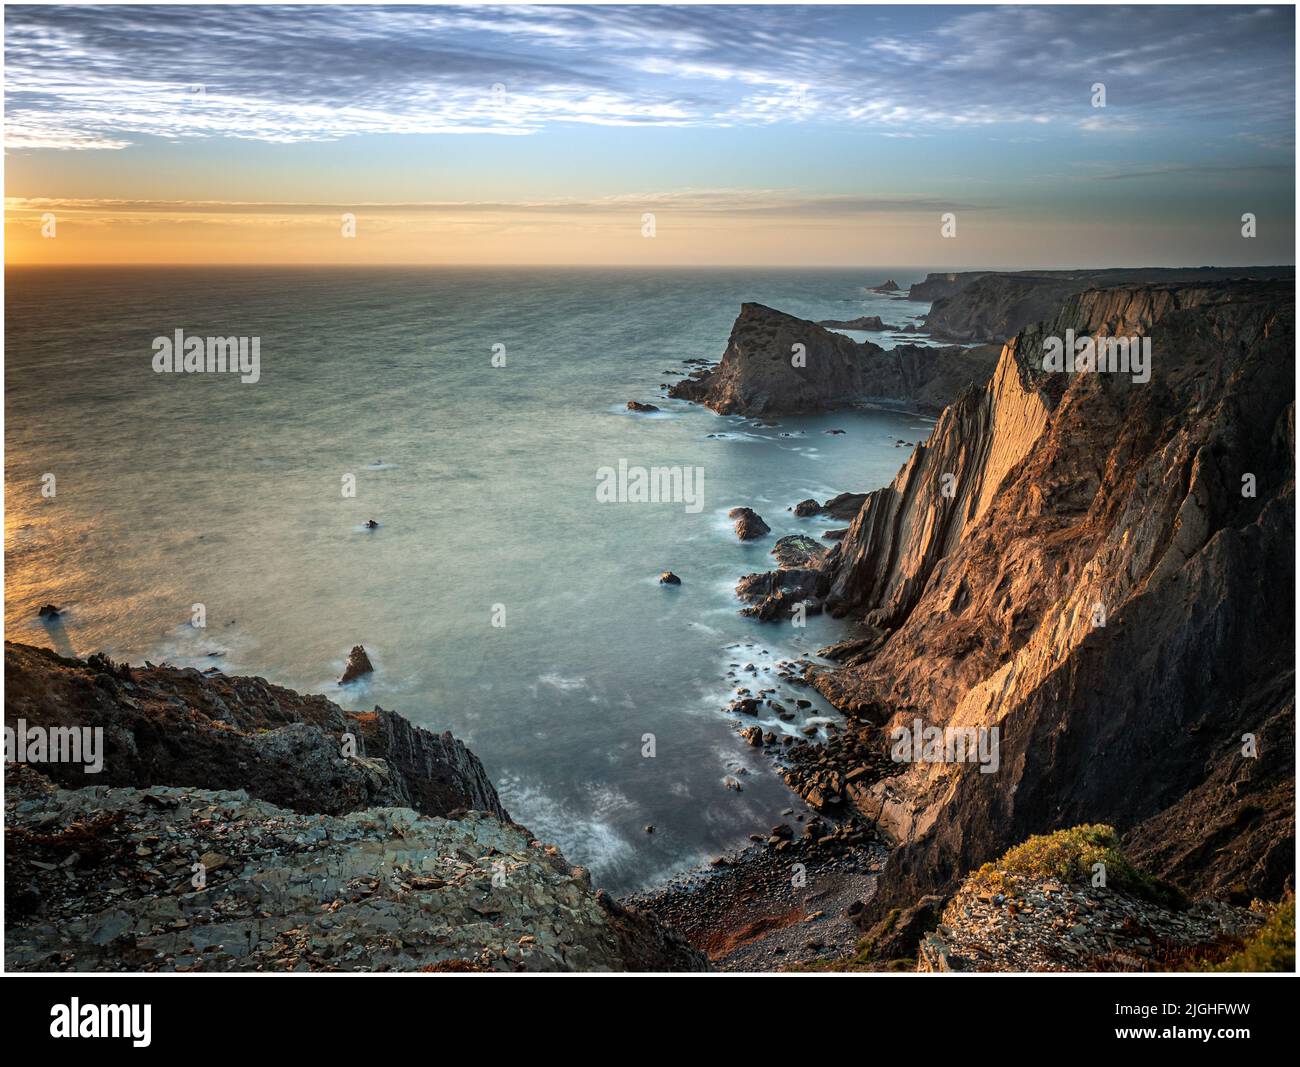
(358,662)
(749,524)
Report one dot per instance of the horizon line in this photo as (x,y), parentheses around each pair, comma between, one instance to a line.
(648,266)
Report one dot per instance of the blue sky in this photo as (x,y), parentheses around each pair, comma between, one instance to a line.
(795,121)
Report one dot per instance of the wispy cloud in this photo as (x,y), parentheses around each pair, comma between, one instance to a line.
(729,202)
(105,77)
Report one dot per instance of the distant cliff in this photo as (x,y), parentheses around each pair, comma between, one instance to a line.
(1103,571)
(764,372)
(992,306)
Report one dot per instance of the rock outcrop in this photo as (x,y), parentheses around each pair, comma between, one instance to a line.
(1102,572)
(358,664)
(1060,920)
(324,839)
(749,523)
(179,726)
(183,879)
(842,506)
(776,364)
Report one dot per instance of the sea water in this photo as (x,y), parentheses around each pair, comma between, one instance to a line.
(470,411)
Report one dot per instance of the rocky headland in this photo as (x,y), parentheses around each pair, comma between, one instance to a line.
(777,364)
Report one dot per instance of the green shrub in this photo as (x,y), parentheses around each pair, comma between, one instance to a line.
(1270,948)
(1069,856)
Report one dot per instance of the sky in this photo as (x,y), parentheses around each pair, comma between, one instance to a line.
(774,136)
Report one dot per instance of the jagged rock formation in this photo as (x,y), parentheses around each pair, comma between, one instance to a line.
(1071,559)
(399,855)
(763,373)
(992,306)
(105,878)
(358,663)
(178,726)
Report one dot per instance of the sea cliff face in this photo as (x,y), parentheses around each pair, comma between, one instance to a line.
(1105,579)
(777,364)
(230,829)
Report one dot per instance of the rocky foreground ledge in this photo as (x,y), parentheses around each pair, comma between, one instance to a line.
(227,831)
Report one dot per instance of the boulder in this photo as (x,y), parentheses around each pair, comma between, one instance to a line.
(749,524)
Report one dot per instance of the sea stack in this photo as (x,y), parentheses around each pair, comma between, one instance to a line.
(358,664)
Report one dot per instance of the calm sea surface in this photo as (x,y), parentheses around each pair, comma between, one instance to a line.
(175,490)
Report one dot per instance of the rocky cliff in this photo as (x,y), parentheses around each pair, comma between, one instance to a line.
(763,372)
(1102,572)
(992,306)
(322,839)
(178,726)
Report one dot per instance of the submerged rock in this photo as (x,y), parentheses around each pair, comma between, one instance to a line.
(669,578)
(778,594)
(637,405)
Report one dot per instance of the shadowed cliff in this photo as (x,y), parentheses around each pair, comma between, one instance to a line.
(1101,570)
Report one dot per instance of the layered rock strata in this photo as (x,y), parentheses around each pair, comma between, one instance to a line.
(1100,571)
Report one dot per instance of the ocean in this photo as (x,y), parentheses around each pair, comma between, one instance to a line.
(497,598)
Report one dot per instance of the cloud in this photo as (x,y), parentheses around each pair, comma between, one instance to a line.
(730,202)
(105,77)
